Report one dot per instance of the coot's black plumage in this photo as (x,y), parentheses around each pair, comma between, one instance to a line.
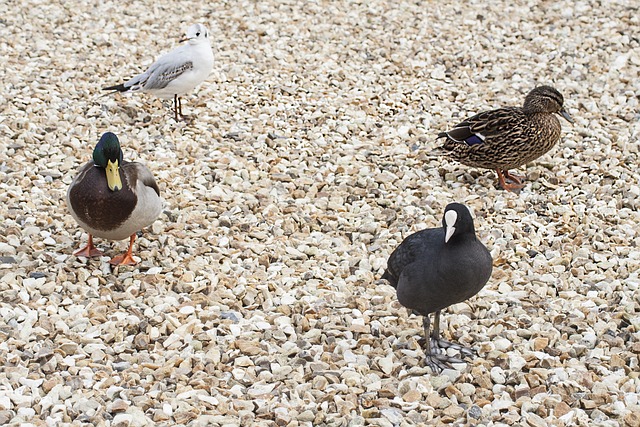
(438,267)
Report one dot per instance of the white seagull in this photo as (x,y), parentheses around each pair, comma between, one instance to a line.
(176,72)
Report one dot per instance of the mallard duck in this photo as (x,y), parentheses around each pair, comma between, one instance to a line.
(508,137)
(113,199)
(438,267)
(177,72)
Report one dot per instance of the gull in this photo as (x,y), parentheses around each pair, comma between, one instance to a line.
(177,72)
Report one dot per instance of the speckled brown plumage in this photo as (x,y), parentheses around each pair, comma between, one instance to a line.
(508,137)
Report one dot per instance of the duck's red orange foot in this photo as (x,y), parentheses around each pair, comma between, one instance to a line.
(123,259)
(516,181)
(88,251)
(514,178)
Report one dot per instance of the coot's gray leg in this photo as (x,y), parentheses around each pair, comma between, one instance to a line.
(439,343)
(433,358)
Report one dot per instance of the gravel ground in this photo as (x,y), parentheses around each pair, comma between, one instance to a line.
(306,163)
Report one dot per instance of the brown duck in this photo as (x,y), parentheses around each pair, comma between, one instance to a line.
(509,137)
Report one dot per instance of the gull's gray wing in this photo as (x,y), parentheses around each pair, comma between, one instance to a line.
(160,77)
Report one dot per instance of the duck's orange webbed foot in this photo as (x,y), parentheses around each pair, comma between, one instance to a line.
(88,251)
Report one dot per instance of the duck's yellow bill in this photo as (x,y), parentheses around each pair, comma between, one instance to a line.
(113,176)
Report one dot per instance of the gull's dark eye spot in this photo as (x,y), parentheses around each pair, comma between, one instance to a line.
(198,34)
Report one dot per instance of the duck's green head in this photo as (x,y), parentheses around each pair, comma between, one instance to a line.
(108,155)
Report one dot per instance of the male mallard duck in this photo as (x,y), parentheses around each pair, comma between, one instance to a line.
(113,199)
(508,137)
(438,267)
(176,72)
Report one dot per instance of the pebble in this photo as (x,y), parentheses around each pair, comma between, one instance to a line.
(305,162)
(497,375)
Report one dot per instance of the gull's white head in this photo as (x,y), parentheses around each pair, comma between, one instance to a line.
(197,33)
(450,218)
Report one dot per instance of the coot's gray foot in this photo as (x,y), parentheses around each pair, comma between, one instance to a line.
(433,361)
(439,343)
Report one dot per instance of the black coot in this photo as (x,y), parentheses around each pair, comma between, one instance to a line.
(435,268)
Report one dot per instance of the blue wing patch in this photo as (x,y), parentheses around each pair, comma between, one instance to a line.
(474,140)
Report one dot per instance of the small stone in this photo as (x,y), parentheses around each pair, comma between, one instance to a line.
(249,348)
(159,415)
(121,366)
(522,391)
(141,341)
(69,348)
(394,415)
(481,377)
(467,389)
(370,413)
(475,412)
(535,420)
(7,249)
(454,411)
(412,396)
(37,274)
(118,405)
(26,412)
(589,340)
(617,361)
(386,364)
(561,409)
(5,417)
(436,402)
(48,384)
(632,419)
(187,310)
(497,375)
(306,416)
(184,417)
(451,390)
(122,419)
(540,343)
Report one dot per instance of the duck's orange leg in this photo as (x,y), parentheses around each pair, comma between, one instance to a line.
(502,174)
(126,258)
(88,251)
(515,178)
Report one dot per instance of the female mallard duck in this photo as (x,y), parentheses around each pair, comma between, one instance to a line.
(113,199)
(508,137)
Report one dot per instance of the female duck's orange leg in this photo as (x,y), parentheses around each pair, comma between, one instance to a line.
(88,251)
(509,187)
(515,178)
(126,258)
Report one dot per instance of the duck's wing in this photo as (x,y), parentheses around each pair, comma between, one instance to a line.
(139,173)
(485,127)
